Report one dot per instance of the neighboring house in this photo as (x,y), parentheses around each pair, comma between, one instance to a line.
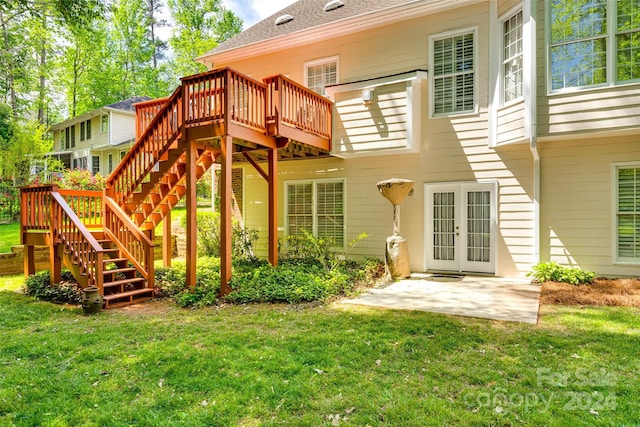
(96,140)
(519,122)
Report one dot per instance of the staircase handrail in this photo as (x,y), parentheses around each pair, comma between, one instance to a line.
(126,177)
(77,240)
(133,243)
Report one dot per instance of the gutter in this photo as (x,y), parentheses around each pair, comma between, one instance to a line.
(530,7)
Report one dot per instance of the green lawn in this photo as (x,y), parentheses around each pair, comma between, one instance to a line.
(9,236)
(267,365)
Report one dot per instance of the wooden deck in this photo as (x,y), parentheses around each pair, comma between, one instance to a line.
(217,116)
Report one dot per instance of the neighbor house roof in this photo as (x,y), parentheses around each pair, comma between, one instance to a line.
(127,104)
(306,14)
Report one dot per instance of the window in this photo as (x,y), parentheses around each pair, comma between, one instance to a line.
(453,65)
(73,136)
(581,37)
(512,74)
(67,138)
(81,131)
(95,164)
(316,207)
(321,73)
(628,213)
(122,154)
(104,123)
(87,128)
(110,160)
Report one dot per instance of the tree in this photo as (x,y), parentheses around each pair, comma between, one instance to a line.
(199,26)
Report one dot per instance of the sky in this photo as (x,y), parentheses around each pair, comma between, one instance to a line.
(253,11)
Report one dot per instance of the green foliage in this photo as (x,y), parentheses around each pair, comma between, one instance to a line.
(9,203)
(308,249)
(552,271)
(172,283)
(65,292)
(208,224)
(80,179)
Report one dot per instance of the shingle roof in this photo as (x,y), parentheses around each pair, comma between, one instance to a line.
(306,14)
(127,104)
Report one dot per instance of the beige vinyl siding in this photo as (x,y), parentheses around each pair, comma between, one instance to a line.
(577,201)
(511,125)
(380,125)
(506,5)
(452,149)
(122,127)
(98,138)
(582,111)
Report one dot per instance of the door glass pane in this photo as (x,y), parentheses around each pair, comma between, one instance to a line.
(478,226)
(444,226)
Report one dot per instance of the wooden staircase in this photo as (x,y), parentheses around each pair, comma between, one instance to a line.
(104,237)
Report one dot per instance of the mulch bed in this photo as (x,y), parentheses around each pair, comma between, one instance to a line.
(611,292)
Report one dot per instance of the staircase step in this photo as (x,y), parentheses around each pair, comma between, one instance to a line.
(133,281)
(120,270)
(126,298)
(114,260)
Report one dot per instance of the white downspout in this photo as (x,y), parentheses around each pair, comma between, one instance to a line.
(531,98)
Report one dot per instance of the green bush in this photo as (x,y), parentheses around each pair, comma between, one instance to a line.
(552,271)
(208,224)
(171,282)
(65,292)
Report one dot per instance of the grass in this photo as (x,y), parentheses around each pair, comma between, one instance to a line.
(9,236)
(265,365)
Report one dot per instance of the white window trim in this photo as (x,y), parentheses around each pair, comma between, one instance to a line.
(614,212)
(445,35)
(314,201)
(611,54)
(502,19)
(322,61)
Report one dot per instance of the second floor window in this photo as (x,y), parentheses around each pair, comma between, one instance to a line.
(453,65)
(95,164)
(104,123)
(581,35)
(320,74)
(512,58)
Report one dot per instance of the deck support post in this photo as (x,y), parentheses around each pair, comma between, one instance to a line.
(226,155)
(191,203)
(167,249)
(273,206)
(29,260)
(55,272)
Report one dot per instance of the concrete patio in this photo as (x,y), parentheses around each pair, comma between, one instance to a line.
(515,300)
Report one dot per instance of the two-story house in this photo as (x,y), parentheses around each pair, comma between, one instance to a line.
(518,121)
(96,140)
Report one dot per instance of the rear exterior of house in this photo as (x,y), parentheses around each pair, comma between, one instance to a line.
(517,120)
(96,140)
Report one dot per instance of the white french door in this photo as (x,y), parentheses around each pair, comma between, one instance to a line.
(461,227)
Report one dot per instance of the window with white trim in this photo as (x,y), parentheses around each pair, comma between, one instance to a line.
(321,73)
(454,73)
(628,213)
(586,48)
(512,65)
(316,207)
(95,164)
(104,123)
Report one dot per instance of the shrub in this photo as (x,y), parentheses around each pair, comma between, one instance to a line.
(67,291)
(552,271)
(242,239)
(172,283)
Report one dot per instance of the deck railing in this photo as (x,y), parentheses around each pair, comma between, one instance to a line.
(152,144)
(146,111)
(86,204)
(296,106)
(35,213)
(136,245)
(78,243)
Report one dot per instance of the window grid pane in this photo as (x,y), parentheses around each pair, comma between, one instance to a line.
(321,75)
(444,226)
(628,215)
(454,74)
(478,226)
(512,58)
(327,215)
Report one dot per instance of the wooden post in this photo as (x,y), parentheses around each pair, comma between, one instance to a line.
(191,203)
(225,214)
(29,260)
(55,272)
(273,206)
(167,249)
